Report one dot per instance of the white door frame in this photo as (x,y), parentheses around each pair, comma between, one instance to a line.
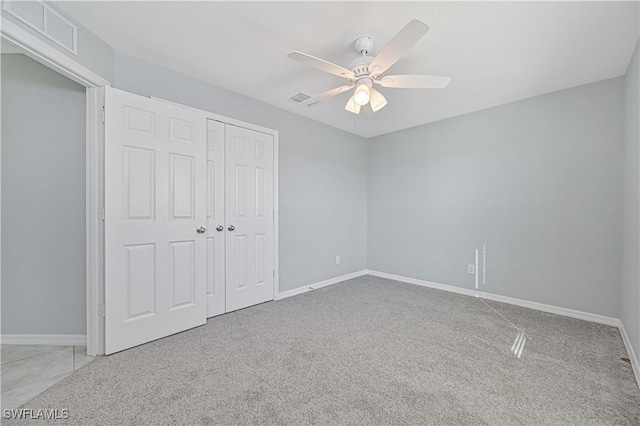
(46,54)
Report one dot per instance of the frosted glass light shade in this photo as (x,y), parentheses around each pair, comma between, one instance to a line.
(352,106)
(362,94)
(377,100)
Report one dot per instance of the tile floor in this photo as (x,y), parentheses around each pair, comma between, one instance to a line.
(28,370)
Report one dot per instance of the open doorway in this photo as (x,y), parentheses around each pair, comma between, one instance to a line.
(23,41)
(43,226)
(43,201)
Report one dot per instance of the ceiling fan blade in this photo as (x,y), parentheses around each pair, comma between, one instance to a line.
(327,94)
(321,64)
(414,81)
(398,46)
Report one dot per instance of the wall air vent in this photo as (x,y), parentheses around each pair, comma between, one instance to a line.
(42,18)
(300,97)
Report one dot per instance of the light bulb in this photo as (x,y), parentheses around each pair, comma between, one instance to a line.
(362,94)
(377,100)
(352,106)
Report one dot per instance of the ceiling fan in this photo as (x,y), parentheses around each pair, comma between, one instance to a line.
(365,71)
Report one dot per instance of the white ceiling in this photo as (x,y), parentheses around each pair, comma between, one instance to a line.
(495,52)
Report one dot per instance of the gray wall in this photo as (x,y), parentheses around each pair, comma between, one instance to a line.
(93,53)
(323,173)
(43,200)
(630,294)
(538,181)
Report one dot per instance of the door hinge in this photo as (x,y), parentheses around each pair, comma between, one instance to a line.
(102,311)
(102,115)
(101,214)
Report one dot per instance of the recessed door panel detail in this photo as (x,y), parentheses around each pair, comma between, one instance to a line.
(212,140)
(140,280)
(139,122)
(241,261)
(260,149)
(211,266)
(139,184)
(241,190)
(181,131)
(260,259)
(211,189)
(182,186)
(240,145)
(182,273)
(260,191)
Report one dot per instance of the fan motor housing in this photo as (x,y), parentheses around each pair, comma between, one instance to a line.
(360,65)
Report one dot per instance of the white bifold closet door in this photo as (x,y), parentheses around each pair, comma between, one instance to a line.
(249,217)
(216,230)
(240,220)
(155,201)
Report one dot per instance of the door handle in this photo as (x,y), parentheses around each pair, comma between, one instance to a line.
(201,230)
(220,228)
(231,228)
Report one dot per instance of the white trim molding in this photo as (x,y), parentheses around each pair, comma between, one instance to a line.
(294,292)
(635,365)
(320,284)
(42,27)
(94,221)
(48,55)
(44,339)
(503,299)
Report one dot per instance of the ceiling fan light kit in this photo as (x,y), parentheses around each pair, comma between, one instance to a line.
(364,71)
(352,106)
(362,95)
(377,101)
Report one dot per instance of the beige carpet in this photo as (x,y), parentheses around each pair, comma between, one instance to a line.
(367,351)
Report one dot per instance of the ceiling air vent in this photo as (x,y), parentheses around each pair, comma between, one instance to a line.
(300,97)
(42,18)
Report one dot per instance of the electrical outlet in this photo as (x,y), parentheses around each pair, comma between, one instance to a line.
(337,260)
(471,269)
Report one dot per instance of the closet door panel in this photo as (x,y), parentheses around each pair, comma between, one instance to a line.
(249,217)
(216,299)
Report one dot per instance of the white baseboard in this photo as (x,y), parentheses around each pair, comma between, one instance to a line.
(320,284)
(44,339)
(635,365)
(614,322)
(294,292)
